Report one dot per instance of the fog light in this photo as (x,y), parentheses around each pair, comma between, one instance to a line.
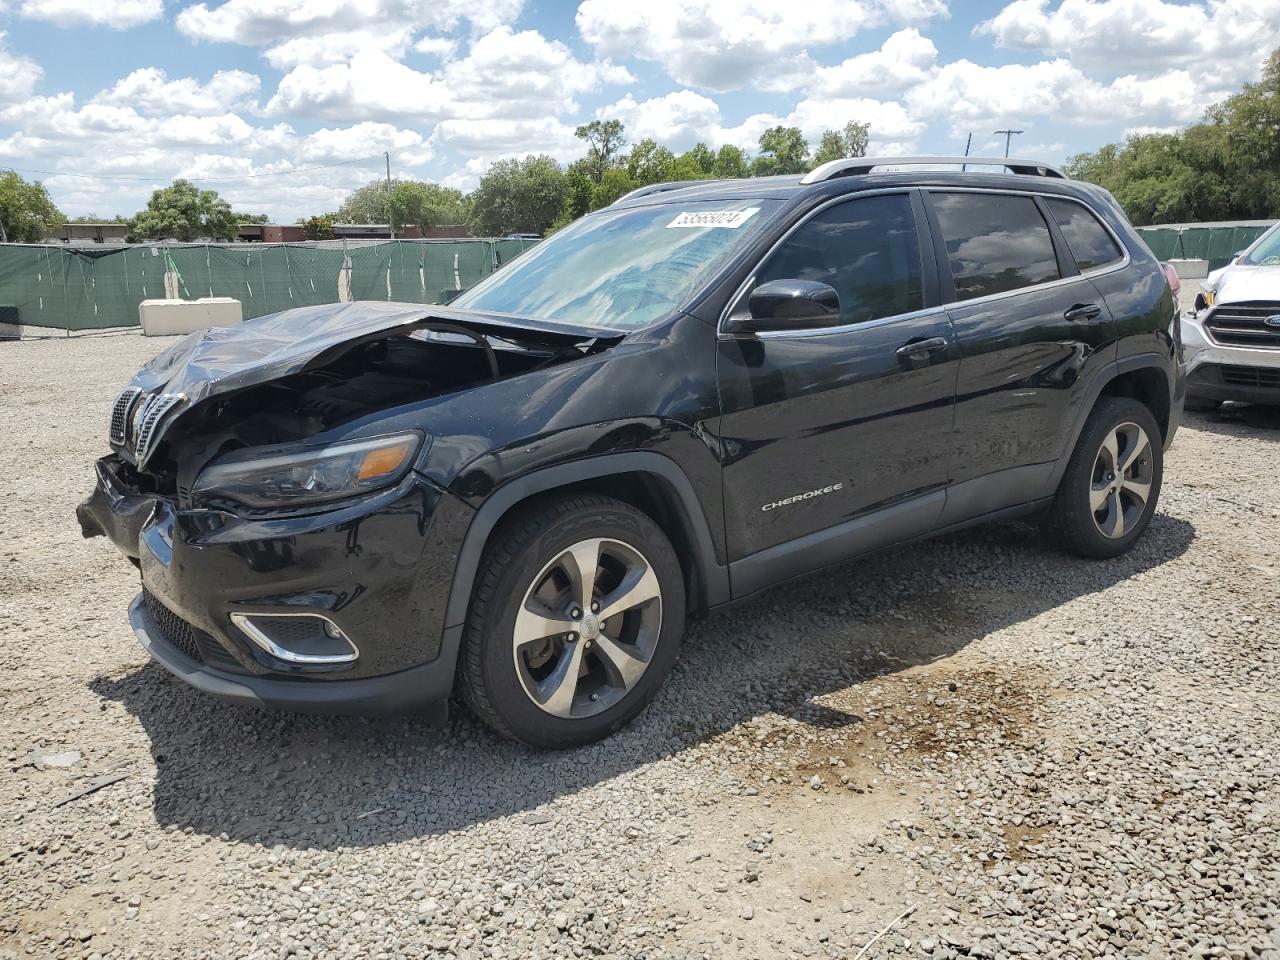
(299,638)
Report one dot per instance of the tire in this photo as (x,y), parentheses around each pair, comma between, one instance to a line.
(571,687)
(1200,404)
(1121,513)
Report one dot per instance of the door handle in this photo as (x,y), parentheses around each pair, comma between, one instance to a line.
(919,349)
(1083,311)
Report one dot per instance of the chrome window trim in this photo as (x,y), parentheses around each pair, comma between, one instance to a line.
(746,284)
(244,621)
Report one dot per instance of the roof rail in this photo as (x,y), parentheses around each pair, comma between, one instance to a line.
(852,166)
(658,188)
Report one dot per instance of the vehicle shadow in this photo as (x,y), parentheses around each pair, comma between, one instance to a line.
(322,782)
(1238,420)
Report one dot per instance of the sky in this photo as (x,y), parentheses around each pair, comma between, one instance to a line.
(283,106)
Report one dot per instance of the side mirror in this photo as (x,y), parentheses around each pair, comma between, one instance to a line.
(1237,255)
(789,305)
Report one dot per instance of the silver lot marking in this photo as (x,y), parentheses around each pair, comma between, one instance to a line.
(807,495)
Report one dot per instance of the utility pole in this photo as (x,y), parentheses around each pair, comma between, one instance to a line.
(1008,135)
(391,227)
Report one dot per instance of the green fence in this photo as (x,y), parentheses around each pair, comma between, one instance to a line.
(1215,242)
(88,289)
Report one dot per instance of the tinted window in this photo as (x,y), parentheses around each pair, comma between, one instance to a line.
(866,249)
(1089,241)
(995,242)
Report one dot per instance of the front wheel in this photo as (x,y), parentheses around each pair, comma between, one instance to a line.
(1112,482)
(575,621)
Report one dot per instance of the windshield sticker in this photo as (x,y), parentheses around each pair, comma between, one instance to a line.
(732,219)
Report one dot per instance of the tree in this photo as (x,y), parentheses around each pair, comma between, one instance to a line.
(616,183)
(425,205)
(700,157)
(182,211)
(730,163)
(367,204)
(838,144)
(605,140)
(782,150)
(1224,168)
(519,196)
(319,227)
(251,217)
(649,163)
(27,215)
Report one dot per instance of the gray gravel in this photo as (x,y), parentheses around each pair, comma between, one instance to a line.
(1045,757)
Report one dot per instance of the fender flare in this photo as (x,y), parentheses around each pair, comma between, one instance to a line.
(713,577)
(1116,368)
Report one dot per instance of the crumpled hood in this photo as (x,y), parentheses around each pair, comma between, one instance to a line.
(1238,283)
(223,359)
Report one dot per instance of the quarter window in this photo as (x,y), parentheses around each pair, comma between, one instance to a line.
(1088,239)
(866,249)
(995,242)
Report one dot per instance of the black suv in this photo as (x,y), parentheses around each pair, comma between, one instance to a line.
(671,404)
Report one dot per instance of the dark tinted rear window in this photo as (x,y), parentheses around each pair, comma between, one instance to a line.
(866,249)
(1089,241)
(995,242)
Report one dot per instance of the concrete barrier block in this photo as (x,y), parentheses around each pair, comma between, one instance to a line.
(1190,269)
(167,318)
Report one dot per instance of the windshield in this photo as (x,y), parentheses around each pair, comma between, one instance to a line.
(621,269)
(1267,251)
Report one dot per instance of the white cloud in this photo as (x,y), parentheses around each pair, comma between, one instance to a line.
(262,22)
(505,74)
(726,44)
(973,96)
(680,119)
(337,47)
(906,58)
(1225,39)
(446,48)
(119,14)
(677,120)
(491,138)
(18,75)
(150,91)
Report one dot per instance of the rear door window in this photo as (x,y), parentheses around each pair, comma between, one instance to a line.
(866,249)
(995,242)
(1090,243)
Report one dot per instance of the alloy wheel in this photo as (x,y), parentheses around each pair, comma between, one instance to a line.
(1121,480)
(587,628)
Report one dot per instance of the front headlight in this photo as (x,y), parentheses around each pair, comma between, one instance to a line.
(301,475)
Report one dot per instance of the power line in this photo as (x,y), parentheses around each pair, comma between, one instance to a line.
(247,176)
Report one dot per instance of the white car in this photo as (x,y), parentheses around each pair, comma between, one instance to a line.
(1232,339)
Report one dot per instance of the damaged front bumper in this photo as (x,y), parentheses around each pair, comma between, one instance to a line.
(375,573)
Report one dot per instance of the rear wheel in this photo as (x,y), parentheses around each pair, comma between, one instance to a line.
(1112,482)
(576,619)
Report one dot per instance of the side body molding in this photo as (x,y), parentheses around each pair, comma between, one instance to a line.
(710,576)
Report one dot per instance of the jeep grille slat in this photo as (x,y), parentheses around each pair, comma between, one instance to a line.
(117,430)
(148,420)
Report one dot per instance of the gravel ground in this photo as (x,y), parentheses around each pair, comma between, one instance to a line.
(1028,754)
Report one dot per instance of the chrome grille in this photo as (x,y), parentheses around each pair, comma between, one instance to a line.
(117,431)
(146,421)
(1245,324)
